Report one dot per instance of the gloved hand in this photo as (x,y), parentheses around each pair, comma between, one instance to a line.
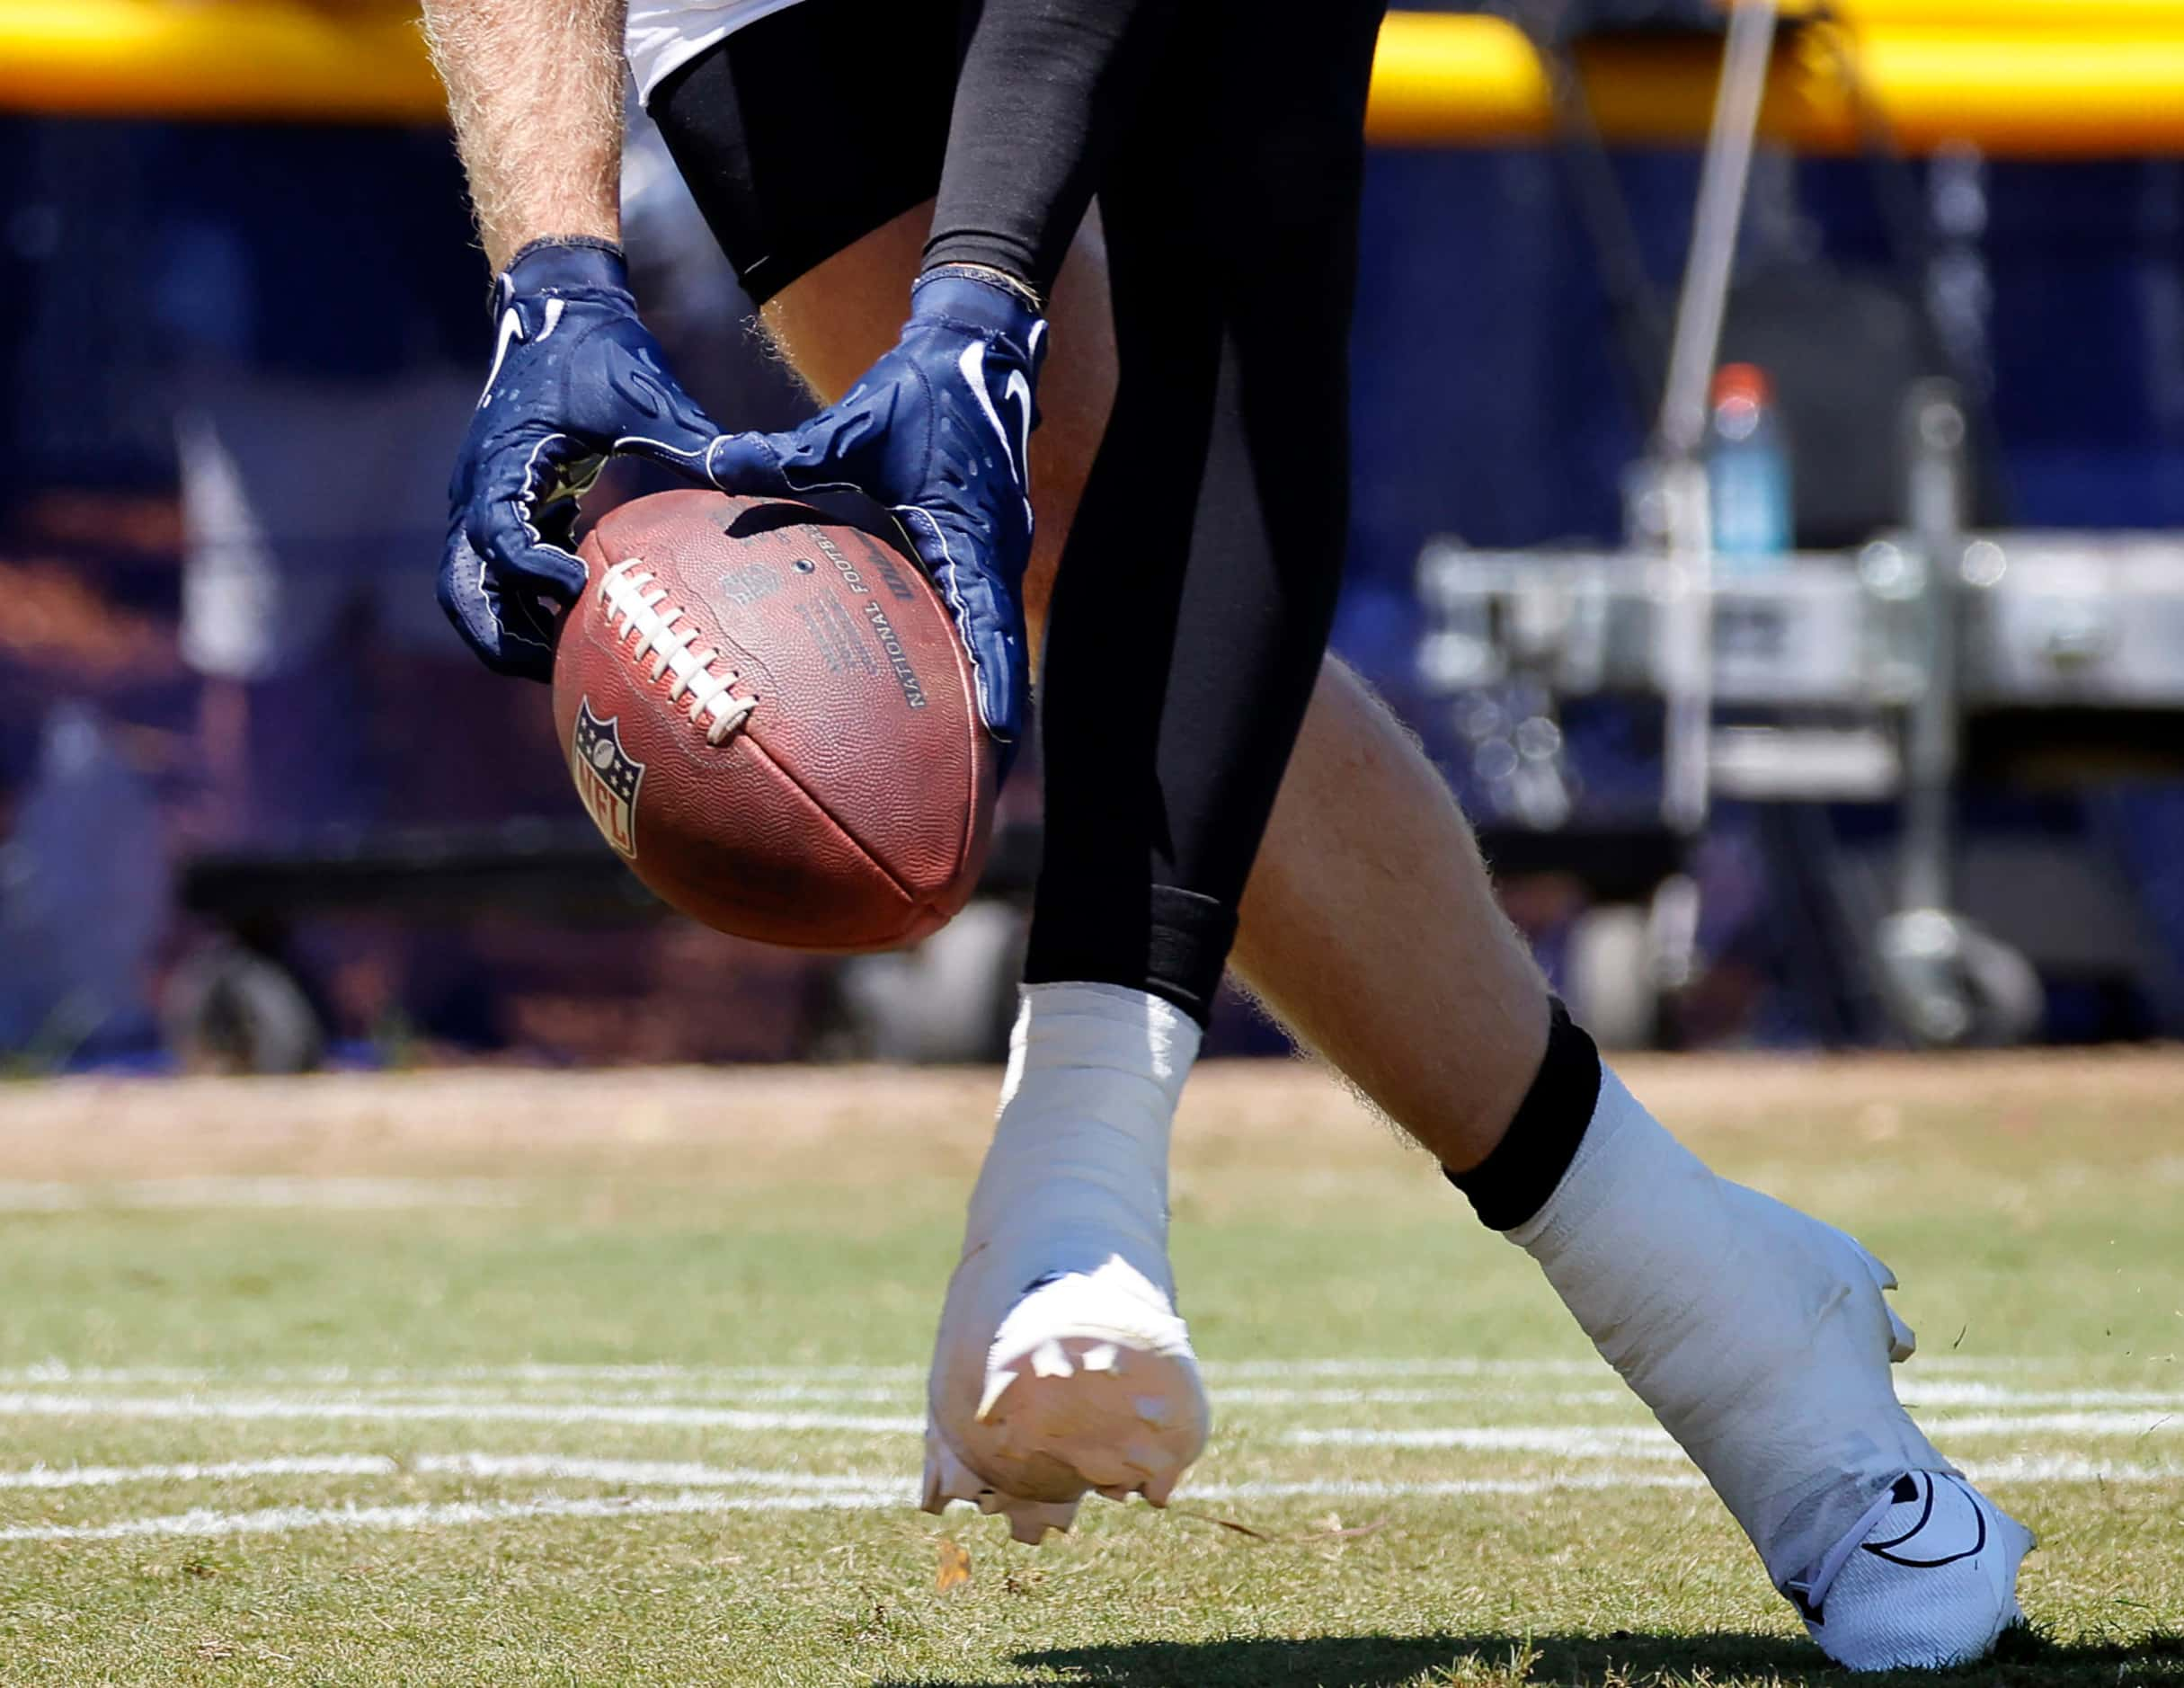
(576,377)
(938,431)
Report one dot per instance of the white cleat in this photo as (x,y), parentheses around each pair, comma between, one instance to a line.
(1762,1340)
(1086,1381)
(1060,1367)
(1927,1579)
(948,1478)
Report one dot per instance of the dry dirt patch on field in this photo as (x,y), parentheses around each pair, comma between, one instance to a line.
(859,1124)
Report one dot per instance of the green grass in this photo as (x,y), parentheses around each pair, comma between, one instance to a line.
(761,1255)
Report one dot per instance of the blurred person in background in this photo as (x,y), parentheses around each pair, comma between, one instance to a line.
(324,347)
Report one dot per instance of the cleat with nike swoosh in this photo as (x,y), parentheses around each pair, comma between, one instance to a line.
(1925,1580)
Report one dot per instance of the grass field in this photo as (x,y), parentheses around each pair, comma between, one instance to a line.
(507,1378)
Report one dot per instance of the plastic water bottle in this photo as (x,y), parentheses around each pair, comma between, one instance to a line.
(1747,466)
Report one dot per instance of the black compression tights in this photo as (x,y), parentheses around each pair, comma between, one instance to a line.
(1198,584)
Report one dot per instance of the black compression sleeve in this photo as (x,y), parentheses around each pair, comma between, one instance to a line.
(1199,580)
(1045,89)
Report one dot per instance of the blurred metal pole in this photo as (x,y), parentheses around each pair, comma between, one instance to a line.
(1687,621)
(1934,451)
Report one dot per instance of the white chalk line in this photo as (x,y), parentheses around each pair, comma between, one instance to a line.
(335,1194)
(253,1408)
(553,1467)
(439,1514)
(753,1386)
(699,1490)
(694,1474)
(1573,1441)
(905,1393)
(1647,1442)
(58,1370)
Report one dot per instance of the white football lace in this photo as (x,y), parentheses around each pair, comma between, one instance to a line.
(648,623)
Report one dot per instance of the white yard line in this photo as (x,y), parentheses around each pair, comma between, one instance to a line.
(1596,1441)
(519,1467)
(2020,1469)
(643,1473)
(189,1406)
(698,1485)
(224,1471)
(1576,1442)
(878,1380)
(1919,1395)
(2079,1424)
(373,1195)
(441,1514)
(59,1370)
(1368,1488)
(2068,1468)
(881,1384)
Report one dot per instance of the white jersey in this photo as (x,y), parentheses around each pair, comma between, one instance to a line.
(665,35)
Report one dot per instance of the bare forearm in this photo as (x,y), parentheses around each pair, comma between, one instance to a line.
(534,89)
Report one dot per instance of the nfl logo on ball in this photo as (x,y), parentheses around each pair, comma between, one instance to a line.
(606,778)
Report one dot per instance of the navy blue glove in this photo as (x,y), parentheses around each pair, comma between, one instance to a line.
(576,377)
(938,431)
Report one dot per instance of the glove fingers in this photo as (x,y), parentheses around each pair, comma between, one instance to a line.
(505,532)
(987,616)
(506,577)
(508,632)
(750,463)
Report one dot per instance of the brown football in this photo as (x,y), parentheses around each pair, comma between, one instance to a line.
(767,712)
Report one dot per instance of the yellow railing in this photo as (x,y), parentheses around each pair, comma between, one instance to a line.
(269,59)
(1445,80)
(2023,77)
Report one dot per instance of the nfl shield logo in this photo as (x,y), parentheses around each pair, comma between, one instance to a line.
(606,778)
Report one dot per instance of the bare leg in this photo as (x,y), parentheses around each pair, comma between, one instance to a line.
(1370,927)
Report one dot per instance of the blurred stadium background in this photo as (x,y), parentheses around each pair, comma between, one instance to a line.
(258,809)
(1770,512)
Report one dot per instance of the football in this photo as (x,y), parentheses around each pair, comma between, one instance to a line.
(767,712)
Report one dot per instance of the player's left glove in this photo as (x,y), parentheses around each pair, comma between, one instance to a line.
(576,378)
(939,430)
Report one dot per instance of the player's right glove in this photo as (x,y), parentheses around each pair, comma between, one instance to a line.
(576,378)
(938,431)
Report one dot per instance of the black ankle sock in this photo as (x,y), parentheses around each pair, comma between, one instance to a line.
(1513,1183)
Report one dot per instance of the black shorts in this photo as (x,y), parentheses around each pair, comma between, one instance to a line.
(804,131)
